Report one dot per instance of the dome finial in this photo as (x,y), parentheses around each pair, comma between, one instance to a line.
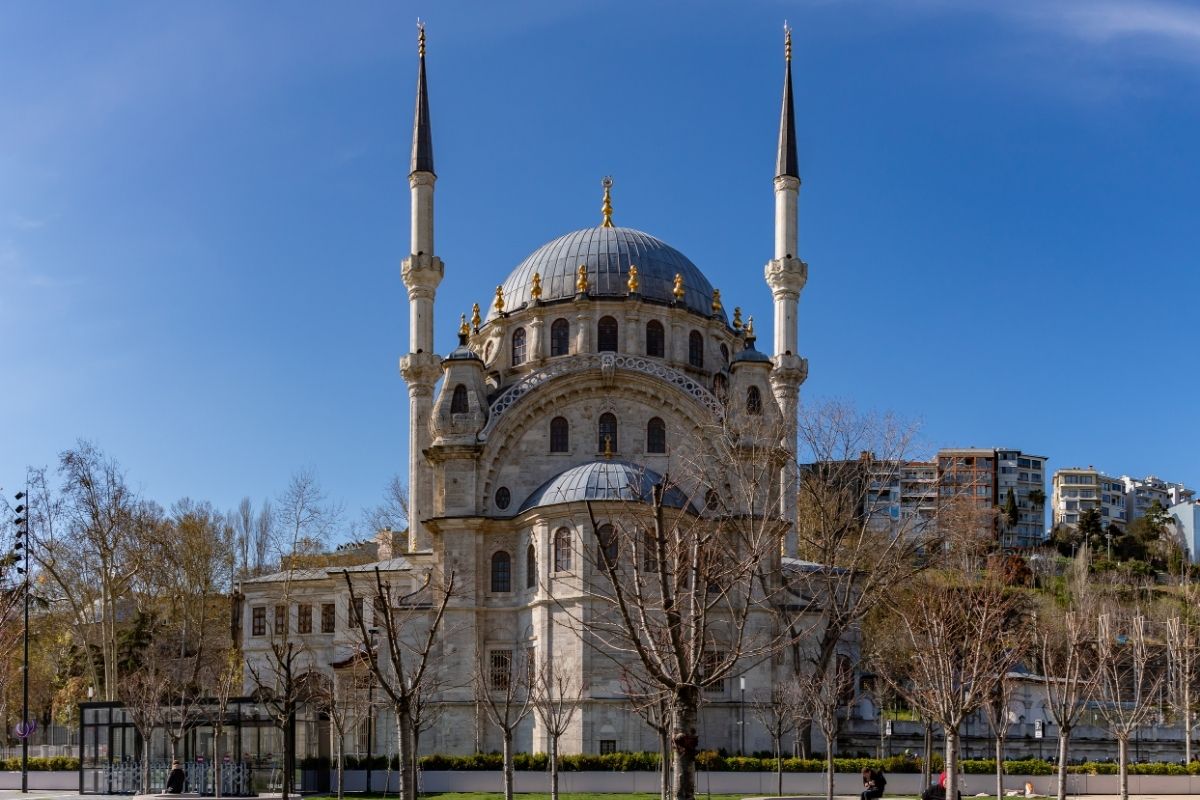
(420,38)
(737,318)
(716,302)
(422,143)
(606,209)
(785,159)
(581,285)
(678,290)
(499,303)
(475,318)
(463,330)
(535,287)
(634,283)
(750,328)
(608,453)
(787,42)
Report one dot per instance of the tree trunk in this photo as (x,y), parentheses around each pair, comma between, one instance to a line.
(508,764)
(1123,765)
(828,767)
(1064,742)
(999,767)
(404,753)
(218,769)
(927,760)
(146,770)
(289,750)
(416,761)
(340,754)
(804,738)
(687,701)
(664,758)
(1187,736)
(952,763)
(553,766)
(778,741)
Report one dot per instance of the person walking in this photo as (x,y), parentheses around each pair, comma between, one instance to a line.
(176,778)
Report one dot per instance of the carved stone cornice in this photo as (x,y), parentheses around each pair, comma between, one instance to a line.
(421,270)
(421,370)
(786,275)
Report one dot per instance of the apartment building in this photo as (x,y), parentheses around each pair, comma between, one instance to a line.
(1142,493)
(1025,475)
(1079,489)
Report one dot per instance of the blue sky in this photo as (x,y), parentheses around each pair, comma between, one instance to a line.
(203,208)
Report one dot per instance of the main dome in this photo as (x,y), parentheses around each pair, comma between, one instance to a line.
(604,480)
(608,253)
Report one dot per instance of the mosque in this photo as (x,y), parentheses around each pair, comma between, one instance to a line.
(590,377)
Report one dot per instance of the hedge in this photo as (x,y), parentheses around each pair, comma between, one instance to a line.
(38,764)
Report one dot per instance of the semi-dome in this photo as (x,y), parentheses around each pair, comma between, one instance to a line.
(608,253)
(603,480)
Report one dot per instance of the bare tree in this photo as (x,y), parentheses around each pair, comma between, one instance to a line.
(142,692)
(392,512)
(1126,691)
(821,697)
(1183,672)
(343,697)
(778,711)
(304,517)
(503,688)
(557,695)
(224,678)
(654,707)
(410,620)
(996,712)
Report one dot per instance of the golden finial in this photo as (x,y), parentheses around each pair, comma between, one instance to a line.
(475,319)
(787,42)
(634,284)
(608,445)
(606,209)
(463,330)
(581,285)
(737,318)
(678,290)
(499,304)
(420,38)
(535,287)
(716,303)
(750,327)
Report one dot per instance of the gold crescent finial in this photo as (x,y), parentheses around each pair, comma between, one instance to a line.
(716,303)
(737,318)
(678,290)
(608,445)
(787,42)
(499,304)
(634,284)
(475,318)
(535,286)
(750,327)
(463,330)
(606,209)
(420,38)
(581,285)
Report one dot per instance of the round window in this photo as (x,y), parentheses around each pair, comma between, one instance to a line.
(503,498)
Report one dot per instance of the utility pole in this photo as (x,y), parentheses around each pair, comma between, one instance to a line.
(24,730)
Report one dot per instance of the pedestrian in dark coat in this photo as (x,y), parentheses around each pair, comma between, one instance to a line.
(873,783)
(176,778)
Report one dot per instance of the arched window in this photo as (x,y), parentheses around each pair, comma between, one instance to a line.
(531,574)
(656,435)
(725,354)
(696,349)
(562,550)
(607,433)
(560,435)
(649,551)
(606,335)
(501,572)
(712,500)
(606,538)
(458,400)
(655,339)
(721,387)
(753,401)
(560,337)
(518,347)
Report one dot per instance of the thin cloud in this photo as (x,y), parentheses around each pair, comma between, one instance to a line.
(1105,22)
(24,223)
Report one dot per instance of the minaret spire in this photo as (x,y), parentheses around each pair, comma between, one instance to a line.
(422,144)
(785,162)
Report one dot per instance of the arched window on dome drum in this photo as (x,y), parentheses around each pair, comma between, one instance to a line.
(655,339)
(562,550)
(721,387)
(753,401)
(649,551)
(606,539)
(560,435)
(696,349)
(501,572)
(656,435)
(607,433)
(518,347)
(458,400)
(560,337)
(531,574)
(606,335)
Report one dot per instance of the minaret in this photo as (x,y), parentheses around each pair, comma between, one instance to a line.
(786,274)
(422,272)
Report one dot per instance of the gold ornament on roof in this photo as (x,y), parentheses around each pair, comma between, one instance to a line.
(606,209)
(634,284)
(499,304)
(608,453)
(535,287)
(716,303)
(737,318)
(750,327)
(463,330)
(581,285)
(476,321)
(787,42)
(678,290)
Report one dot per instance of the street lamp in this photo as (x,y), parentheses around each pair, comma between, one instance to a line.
(22,543)
(742,715)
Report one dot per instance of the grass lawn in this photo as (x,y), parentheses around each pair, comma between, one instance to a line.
(535,796)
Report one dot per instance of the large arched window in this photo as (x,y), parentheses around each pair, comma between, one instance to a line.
(562,550)
(501,572)
(649,551)
(560,435)
(656,435)
(531,574)
(518,347)
(458,400)
(721,387)
(560,337)
(656,339)
(606,335)
(606,538)
(696,349)
(753,401)
(607,433)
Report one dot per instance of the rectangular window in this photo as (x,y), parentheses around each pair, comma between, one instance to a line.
(608,746)
(280,619)
(711,661)
(379,609)
(356,612)
(499,669)
(327,617)
(304,618)
(258,621)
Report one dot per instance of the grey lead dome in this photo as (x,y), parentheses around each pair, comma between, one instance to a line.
(603,480)
(608,253)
